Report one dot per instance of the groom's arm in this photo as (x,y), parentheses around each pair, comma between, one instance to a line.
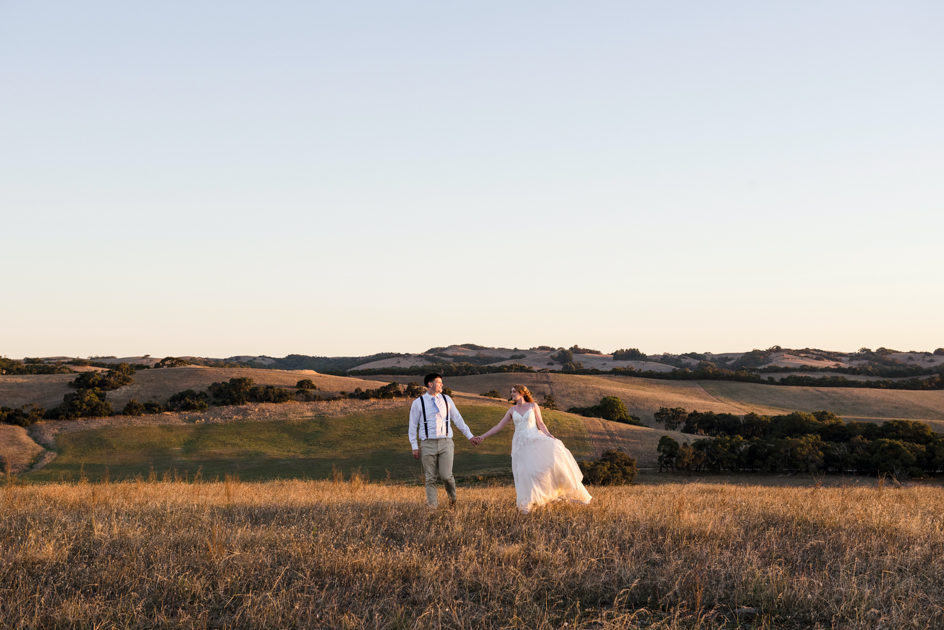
(458,421)
(414,425)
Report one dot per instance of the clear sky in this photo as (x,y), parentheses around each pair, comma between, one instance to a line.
(343,178)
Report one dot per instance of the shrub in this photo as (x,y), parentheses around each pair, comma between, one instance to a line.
(614,468)
(236,391)
(578,350)
(152,408)
(574,366)
(492,394)
(414,390)
(188,400)
(306,383)
(939,351)
(133,408)
(447,391)
(516,356)
(549,402)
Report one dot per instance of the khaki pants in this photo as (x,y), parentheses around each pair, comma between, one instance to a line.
(436,456)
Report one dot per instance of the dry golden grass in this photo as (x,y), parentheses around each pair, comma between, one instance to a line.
(16,448)
(354,555)
(47,390)
(874,405)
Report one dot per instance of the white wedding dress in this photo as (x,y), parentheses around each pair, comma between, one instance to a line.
(544,469)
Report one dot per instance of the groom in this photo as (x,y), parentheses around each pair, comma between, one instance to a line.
(430,418)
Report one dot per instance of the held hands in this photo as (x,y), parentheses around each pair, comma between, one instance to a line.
(477,440)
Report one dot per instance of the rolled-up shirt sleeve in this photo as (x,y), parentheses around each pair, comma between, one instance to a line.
(458,420)
(414,424)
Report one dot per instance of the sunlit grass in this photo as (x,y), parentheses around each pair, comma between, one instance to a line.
(354,555)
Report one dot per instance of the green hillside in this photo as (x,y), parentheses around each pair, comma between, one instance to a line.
(308,447)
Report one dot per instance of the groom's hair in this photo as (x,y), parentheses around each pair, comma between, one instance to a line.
(430,378)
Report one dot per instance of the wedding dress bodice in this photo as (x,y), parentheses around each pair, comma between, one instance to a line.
(525,422)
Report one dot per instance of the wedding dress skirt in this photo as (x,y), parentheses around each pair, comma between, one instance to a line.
(544,469)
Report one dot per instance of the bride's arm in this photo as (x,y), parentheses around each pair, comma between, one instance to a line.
(498,427)
(540,421)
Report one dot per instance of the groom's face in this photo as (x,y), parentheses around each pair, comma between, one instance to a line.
(435,387)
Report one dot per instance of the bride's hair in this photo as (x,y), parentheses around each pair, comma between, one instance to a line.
(521,389)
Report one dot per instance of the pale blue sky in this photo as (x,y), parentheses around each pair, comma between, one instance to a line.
(354,177)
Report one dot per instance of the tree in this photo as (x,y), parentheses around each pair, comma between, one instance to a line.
(413,390)
(573,366)
(84,403)
(614,468)
(939,351)
(492,393)
(563,357)
(672,418)
(668,450)
(610,408)
(306,383)
(755,426)
(689,458)
(549,402)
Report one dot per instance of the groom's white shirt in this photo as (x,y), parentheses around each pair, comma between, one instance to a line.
(436,415)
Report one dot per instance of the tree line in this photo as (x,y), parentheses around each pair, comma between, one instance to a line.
(799,442)
(90,398)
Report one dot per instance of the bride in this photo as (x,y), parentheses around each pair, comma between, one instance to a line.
(544,469)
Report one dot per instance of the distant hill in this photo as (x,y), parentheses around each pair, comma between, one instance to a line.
(774,361)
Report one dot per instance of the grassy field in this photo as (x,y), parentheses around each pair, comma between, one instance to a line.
(47,390)
(289,554)
(298,448)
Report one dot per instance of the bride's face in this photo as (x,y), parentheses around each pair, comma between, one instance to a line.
(515,396)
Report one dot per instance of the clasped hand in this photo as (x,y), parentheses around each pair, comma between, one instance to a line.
(477,440)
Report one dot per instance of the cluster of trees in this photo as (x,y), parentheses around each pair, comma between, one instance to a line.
(609,408)
(390,390)
(117,376)
(629,354)
(89,399)
(31,366)
(804,442)
(614,468)
(578,350)
(492,393)
(171,362)
(24,416)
